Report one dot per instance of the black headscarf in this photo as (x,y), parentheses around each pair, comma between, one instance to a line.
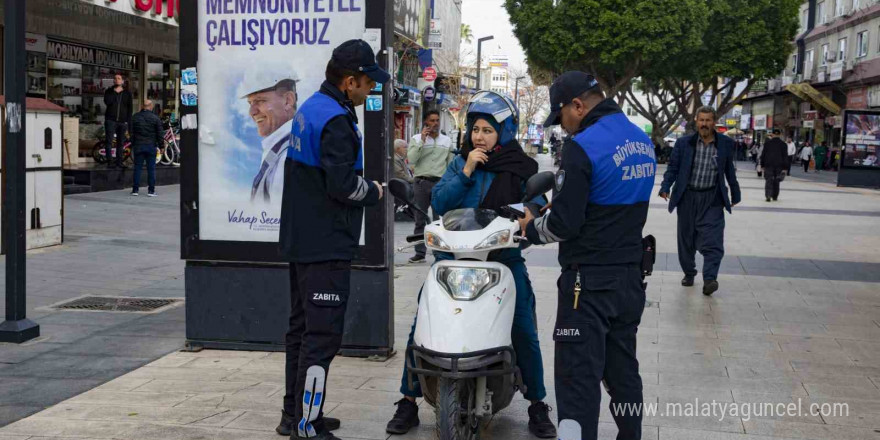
(511,166)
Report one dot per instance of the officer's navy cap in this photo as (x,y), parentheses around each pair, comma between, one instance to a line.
(565,88)
(358,56)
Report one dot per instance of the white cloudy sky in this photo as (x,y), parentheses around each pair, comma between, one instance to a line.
(488,17)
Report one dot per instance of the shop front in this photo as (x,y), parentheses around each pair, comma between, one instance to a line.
(407,112)
(762,118)
(75,48)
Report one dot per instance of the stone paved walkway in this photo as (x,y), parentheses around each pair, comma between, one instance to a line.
(778,332)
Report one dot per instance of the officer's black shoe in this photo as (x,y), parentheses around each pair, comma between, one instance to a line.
(768,199)
(710,287)
(417,259)
(539,421)
(285,427)
(687,281)
(406,417)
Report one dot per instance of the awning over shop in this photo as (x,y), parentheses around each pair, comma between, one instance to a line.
(808,93)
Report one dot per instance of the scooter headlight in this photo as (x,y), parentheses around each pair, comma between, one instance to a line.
(467,283)
(500,238)
(434,241)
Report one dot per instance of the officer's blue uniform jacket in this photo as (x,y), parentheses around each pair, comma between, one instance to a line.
(602,193)
(324,191)
(682,160)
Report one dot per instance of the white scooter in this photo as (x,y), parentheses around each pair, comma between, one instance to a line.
(462,348)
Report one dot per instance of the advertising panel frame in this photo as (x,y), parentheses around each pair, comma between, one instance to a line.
(374,253)
(237,292)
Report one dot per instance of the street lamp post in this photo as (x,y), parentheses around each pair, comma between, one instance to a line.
(516,91)
(16,328)
(479,56)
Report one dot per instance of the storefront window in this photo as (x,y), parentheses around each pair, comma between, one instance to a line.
(163,87)
(77,77)
(80,89)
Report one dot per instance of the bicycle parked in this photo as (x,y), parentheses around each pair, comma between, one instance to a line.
(169,154)
(99,150)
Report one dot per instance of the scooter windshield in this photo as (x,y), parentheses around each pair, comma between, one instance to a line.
(469,219)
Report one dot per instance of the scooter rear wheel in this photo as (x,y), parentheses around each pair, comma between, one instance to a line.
(454,408)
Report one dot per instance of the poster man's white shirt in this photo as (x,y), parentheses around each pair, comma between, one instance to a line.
(272,178)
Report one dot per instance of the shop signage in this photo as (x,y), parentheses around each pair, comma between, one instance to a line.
(760,122)
(435,38)
(874,96)
(429,94)
(76,53)
(759,86)
(154,7)
(406,19)
(836,71)
(857,98)
(165,11)
(745,121)
(810,116)
(809,124)
(34,42)
(430,74)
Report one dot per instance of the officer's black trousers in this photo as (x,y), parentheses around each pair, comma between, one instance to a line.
(596,342)
(701,228)
(318,298)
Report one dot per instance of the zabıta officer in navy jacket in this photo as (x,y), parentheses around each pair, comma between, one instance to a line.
(490,173)
(322,209)
(599,208)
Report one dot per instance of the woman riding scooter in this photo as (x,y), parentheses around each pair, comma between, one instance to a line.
(489,173)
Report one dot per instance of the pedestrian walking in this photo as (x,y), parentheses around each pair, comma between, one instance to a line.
(146,138)
(699,166)
(600,205)
(429,153)
(820,153)
(117,116)
(806,155)
(774,161)
(322,209)
(792,151)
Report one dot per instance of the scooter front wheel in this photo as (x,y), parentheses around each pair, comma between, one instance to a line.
(454,410)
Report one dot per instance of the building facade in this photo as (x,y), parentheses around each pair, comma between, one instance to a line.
(75,47)
(835,66)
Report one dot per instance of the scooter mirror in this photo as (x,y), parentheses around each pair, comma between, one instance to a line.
(401,189)
(538,184)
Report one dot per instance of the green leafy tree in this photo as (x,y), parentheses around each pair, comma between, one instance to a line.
(745,41)
(467,35)
(614,40)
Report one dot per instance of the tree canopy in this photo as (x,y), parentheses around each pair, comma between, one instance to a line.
(614,40)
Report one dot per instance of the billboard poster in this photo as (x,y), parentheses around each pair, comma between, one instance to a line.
(257,62)
(862,139)
(760,122)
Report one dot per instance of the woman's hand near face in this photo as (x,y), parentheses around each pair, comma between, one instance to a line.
(475,157)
